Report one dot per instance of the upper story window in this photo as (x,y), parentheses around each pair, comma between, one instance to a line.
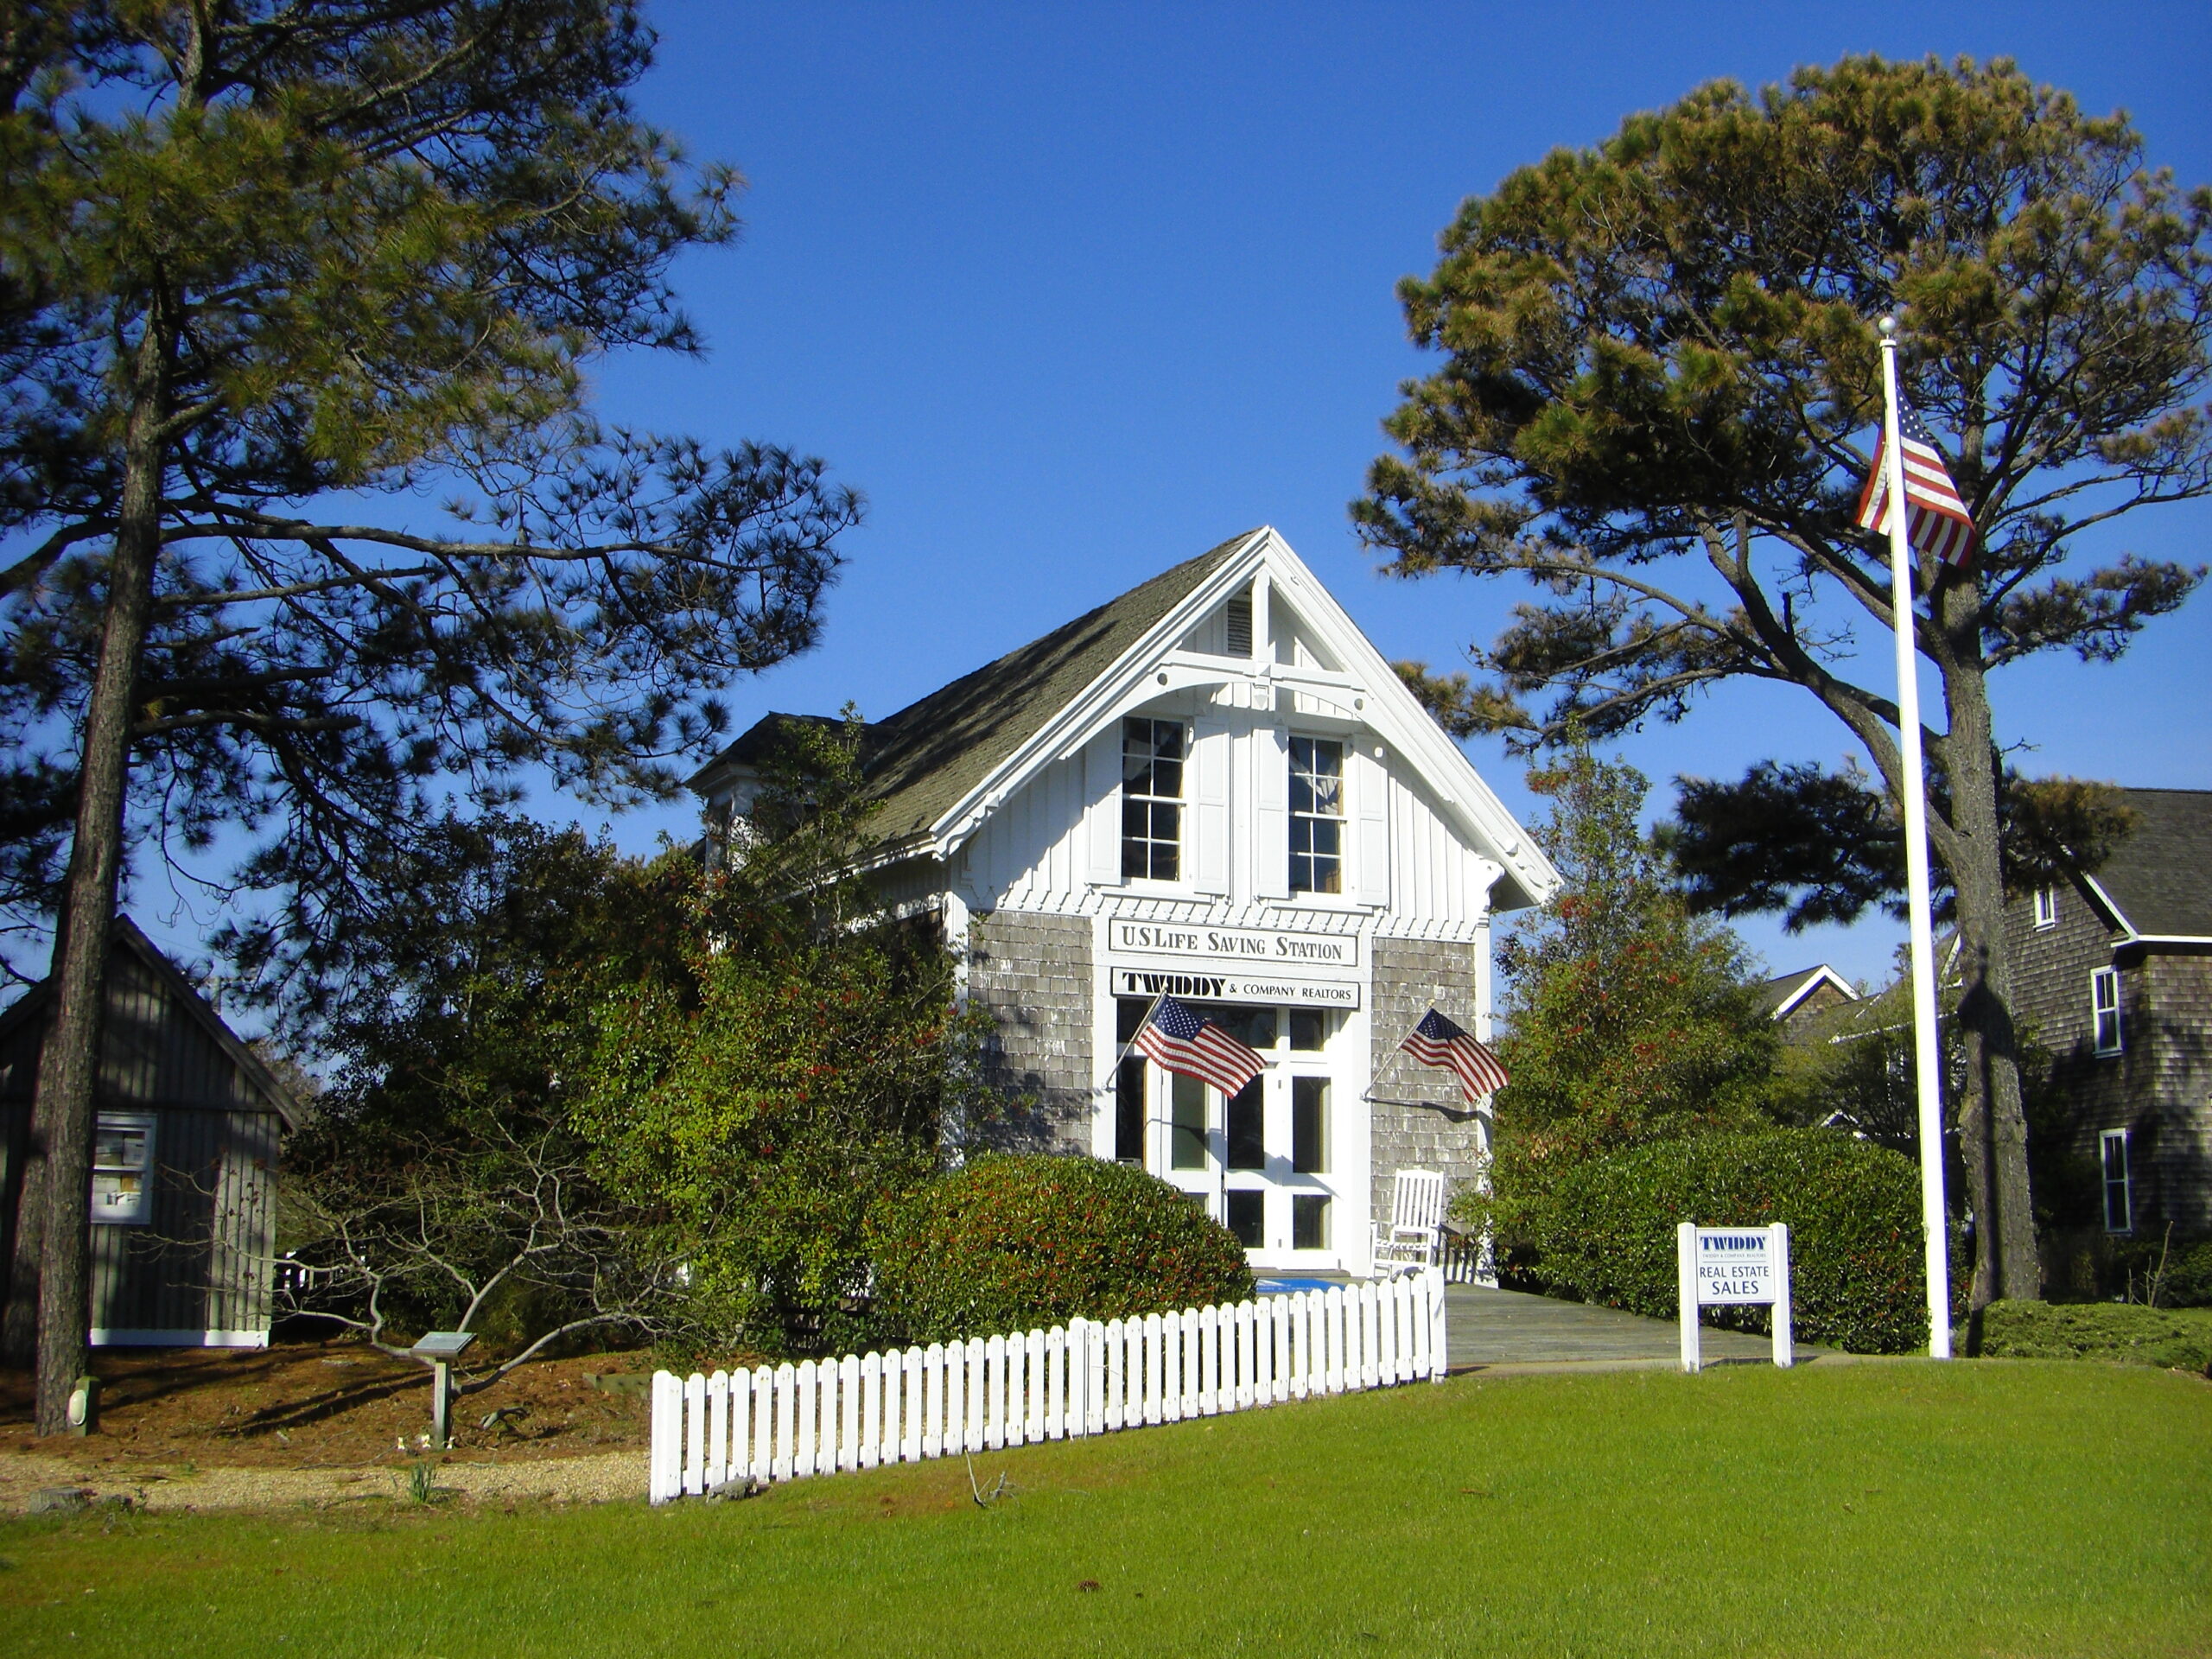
(2046,906)
(1317,814)
(2104,1009)
(1151,798)
(2119,1196)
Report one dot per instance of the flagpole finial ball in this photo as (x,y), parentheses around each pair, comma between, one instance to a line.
(1889,328)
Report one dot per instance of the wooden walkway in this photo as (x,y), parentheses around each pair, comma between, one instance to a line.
(1488,1329)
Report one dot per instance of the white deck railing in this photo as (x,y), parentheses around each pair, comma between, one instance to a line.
(785,1421)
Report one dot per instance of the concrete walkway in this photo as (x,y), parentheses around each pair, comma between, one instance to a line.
(1500,1328)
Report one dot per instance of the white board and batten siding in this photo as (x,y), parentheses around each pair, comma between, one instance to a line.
(787,1422)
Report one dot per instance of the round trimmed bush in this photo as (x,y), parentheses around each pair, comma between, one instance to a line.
(1013,1241)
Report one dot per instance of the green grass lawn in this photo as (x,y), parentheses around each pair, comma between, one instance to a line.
(1993,1508)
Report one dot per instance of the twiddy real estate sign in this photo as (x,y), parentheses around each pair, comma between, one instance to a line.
(1733,1266)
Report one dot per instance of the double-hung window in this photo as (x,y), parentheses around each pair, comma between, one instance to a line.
(2046,907)
(2104,1009)
(2119,1199)
(1152,799)
(1317,814)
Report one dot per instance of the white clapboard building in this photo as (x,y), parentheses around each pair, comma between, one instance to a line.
(1214,786)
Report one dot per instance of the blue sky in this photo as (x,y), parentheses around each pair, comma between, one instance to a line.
(1073,295)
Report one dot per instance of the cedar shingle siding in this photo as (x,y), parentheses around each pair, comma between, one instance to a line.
(2148,914)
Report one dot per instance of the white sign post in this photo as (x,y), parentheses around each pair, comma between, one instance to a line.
(1733,1266)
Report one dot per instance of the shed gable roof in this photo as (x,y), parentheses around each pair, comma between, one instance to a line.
(23,1025)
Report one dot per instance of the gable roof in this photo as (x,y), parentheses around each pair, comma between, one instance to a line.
(1778,995)
(941,764)
(126,937)
(2158,881)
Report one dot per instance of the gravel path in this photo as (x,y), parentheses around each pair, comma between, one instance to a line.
(583,1480)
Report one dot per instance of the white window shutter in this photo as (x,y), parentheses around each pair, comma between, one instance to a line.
(1370,805)
(1270,813)
(1102,789)
(1206,836)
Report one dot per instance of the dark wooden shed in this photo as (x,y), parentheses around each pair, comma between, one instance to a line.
(184,1162)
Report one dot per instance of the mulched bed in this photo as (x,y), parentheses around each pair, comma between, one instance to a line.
(311,1405)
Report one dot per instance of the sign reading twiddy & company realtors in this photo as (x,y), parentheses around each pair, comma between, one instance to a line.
(1733,1266)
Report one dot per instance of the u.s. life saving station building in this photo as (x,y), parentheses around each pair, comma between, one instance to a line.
(1214,786)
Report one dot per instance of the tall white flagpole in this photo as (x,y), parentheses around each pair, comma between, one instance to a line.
(1927,1055)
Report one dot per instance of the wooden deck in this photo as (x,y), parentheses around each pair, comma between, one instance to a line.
(1488,1329)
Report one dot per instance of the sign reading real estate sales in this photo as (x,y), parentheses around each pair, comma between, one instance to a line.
(1733,1266)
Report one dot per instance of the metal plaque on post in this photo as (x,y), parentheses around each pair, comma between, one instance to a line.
(442,1348)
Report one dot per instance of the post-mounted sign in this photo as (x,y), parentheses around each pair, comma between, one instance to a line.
(1733,1266)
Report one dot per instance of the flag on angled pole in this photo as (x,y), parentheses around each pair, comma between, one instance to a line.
(1937,518)
(1437,1041)
(1185,1042)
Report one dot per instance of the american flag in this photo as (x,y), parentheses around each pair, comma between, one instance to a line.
(1937,521)
(1185,1042)
(1437,1041)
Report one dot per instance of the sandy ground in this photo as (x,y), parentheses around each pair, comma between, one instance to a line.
(312,1423)
(581,1480)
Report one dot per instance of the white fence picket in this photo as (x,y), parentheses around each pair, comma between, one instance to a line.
(1015,1389)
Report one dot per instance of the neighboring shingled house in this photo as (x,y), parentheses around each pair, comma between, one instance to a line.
(1796,1001)
(2114,972)
(1214,787)
(184,1158)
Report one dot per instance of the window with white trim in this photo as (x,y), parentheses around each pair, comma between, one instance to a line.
(2119,1196)
(1317,814)
(2046,907)
(122,1167)
(2104,1009)
(1153,752)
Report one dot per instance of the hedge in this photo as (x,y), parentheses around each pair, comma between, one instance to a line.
(1601,1229)
(1010,1241)
(2141,1335)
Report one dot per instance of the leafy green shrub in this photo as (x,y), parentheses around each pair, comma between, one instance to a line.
(1010,1243)
(1601,1229)
(2152,1269)
(2142,1335)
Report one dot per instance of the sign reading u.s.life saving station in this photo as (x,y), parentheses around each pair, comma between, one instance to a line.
(1213,787)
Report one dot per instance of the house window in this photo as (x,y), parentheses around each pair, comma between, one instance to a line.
(122,1167)
(1248,1218)
(2120,1200)
(1128,1081)
(1309,1221)
(2046,907)
(1152,799)
(1309,1126)
(1317,814)
(2104,1009)
(1186,1109)
(1246,1121)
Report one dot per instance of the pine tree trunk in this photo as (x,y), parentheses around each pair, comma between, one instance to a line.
(19,1335)
(1993,1129)
(68,1074)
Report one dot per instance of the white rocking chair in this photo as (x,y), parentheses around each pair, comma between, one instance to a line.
(1415,1238)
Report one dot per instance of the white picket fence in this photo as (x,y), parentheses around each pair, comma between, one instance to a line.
(786,1422)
